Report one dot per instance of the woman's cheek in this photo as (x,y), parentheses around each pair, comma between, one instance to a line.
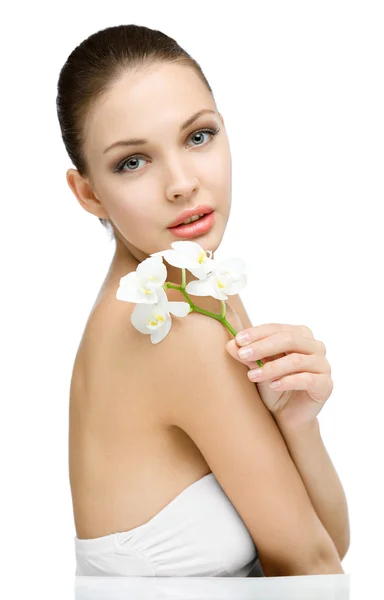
(219,169)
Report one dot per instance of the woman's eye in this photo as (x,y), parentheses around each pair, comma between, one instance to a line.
(133,159)
(130,160)
(201,133)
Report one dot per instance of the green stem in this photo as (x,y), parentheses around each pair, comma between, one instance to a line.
(224,308)
(194,308)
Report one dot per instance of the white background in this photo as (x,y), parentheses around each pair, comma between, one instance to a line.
(300,86)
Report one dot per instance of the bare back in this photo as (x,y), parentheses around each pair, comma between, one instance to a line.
(125,464)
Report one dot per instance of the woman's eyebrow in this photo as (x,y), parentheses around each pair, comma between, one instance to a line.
(138,141)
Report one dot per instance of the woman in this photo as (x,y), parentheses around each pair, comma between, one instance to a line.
(179,466)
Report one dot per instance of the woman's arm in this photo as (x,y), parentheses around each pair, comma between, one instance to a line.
(314,465)
(223,414)
(321,481)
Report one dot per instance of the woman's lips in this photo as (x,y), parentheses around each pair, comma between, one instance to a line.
(200,209)
(194,229)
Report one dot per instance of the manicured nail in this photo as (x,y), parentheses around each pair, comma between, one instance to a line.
(242,337)
(275,384)
(245,352)
(255,373)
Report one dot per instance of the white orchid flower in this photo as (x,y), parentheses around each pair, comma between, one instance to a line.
(143,285)
(155,319)
(189,255)
(227,277)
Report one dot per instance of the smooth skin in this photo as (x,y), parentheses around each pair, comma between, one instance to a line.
(214,402)
(220,409)
(295,359)
(173,171)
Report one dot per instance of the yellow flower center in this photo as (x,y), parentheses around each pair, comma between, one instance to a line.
(225,276)
(147,290)
(158,318)
(201,258)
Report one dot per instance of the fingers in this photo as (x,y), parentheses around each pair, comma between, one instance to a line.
(279,343)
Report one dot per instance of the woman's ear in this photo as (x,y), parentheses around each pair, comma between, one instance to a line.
(85,195)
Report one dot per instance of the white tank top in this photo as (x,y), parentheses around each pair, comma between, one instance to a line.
(198,534)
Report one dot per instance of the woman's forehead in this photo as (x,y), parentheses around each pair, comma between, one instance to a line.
(147,105)
(166,86)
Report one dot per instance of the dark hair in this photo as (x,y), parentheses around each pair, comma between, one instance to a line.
(96,64)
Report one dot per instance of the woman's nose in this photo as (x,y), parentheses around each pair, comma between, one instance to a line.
(182,190)
(182,185)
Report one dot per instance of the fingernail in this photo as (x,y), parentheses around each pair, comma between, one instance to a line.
(242,337)
(255,373)
(245,352)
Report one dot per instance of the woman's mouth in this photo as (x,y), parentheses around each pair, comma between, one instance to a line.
(195,228)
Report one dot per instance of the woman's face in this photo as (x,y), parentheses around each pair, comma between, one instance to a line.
(143,187)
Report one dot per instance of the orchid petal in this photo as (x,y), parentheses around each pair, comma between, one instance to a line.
(176,259)
(189,255)
(147,319)
(179,309)
(130,280)
(148,297)
(236,285)
(157,318)
(193,251)
(218,293)
(187,247)
(162,298)
(202,271)
(234,266)
(140,316)
(159,334)
(152,269)
(130,290)
(200,288)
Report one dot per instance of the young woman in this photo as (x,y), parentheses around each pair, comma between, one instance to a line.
(179,464)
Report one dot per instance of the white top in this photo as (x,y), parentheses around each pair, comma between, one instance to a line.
(198,534)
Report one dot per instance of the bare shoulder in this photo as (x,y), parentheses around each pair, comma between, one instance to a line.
(211,399)
(113,358)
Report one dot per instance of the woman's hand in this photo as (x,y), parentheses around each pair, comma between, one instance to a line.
(294,358)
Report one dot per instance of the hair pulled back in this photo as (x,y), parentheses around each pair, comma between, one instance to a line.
(95,65)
